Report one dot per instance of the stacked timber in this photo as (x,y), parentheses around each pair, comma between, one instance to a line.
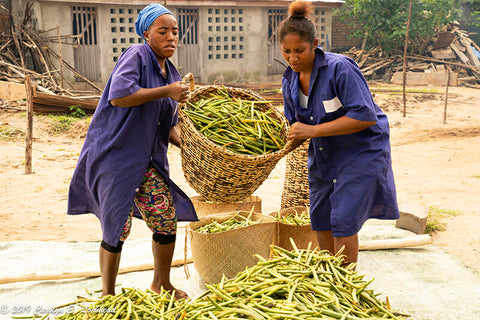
(270,91)
(53,103)
(451,55)
(27,52)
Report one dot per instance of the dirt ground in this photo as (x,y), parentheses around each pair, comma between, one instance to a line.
(435,164)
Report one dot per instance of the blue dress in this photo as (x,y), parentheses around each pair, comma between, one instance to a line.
(350,176)
(122,142)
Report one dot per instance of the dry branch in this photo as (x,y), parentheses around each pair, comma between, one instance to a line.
(451,44)
(22,40)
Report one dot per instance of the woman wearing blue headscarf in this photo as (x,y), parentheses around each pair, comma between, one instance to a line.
(123,171)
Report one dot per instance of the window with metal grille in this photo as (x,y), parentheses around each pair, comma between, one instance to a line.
(188,26)
(123,30)
(228,31)
(85,25)
(275,16)
(322,20)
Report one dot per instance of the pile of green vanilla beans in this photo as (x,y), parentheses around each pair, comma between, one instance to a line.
(235,222)
(294,218)
(235,124)
(297,284)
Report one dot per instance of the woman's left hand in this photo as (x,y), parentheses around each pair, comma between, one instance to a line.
(341,126)
(300,130)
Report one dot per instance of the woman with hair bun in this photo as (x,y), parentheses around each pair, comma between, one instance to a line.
(327,99)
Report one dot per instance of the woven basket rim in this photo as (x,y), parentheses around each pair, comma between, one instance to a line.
(287,210)
(279,153)
(222,217)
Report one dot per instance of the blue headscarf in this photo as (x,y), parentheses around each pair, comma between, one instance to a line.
(148,15)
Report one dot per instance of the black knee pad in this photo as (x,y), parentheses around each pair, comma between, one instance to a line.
(164,238)
(112,249)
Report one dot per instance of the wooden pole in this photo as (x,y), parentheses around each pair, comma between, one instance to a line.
(29,133)
(446,95)
(405,60)
(84,274)
(364,41)
(60,54)
(414,241)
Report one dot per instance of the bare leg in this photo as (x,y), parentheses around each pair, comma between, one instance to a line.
(333,244)
(325,240)
(109,263)
(351,247)
(162,262)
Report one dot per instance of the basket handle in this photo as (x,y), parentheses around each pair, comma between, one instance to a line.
(289,146)
(188,79)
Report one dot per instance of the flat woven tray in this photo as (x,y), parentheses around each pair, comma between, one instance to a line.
(217,174)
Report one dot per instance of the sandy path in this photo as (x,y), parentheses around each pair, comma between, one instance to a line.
(435,164)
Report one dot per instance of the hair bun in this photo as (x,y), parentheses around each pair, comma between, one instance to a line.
(298,9)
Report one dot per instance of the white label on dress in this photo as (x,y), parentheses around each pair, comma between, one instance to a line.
(332,105)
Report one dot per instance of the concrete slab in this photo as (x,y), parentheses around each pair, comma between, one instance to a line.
(413,217)
(424,282)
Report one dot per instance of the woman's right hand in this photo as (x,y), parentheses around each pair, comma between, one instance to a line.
(178,91)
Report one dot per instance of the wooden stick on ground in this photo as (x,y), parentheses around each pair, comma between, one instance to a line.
(83,274)
(418,240)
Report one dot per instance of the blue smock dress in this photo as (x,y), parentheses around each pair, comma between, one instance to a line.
(121,143)
(350,176)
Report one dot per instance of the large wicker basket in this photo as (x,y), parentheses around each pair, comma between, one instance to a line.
(217,174)
(295,187)
(229,252)
(301,235)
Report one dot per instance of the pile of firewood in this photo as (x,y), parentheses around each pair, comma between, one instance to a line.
(25,51)
(452,49)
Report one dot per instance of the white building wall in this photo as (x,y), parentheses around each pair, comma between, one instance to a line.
(233,56)
(48,16)
(117,32)
(239,56)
